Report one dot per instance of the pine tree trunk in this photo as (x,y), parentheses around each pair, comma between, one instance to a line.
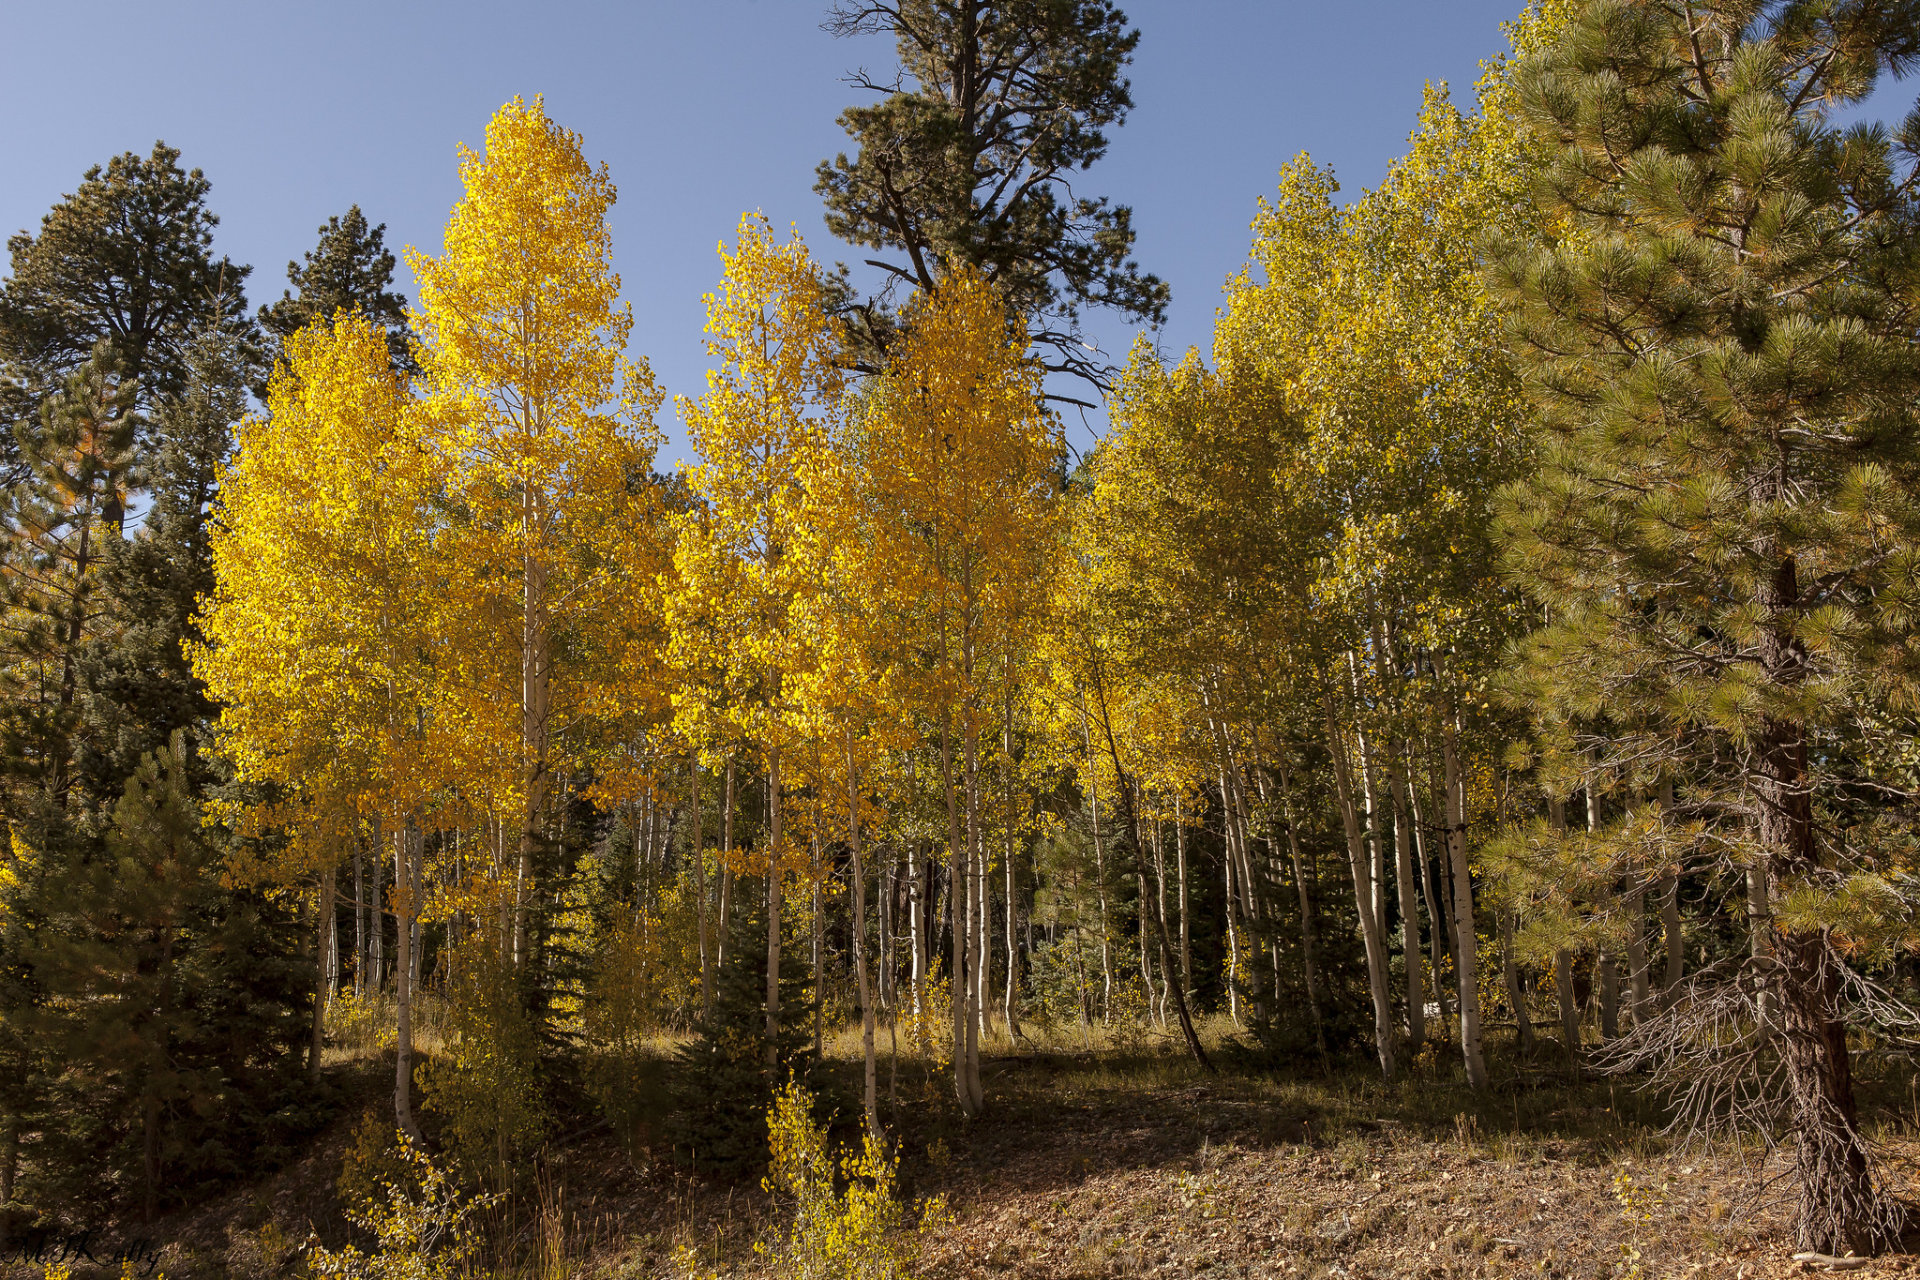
(1840,1209)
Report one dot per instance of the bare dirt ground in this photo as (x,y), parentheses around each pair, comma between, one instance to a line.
(1090,1166)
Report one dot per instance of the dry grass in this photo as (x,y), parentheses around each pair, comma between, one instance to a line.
(1122,1159)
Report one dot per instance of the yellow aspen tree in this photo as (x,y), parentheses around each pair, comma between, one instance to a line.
(320,629)
(548,433)
(965,459)
(768,407)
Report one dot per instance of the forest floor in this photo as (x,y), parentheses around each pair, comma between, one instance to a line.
(1112,1162)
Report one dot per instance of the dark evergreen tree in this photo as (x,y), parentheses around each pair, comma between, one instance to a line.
(61,522)
(137,685)
(126,259)
(971,157)
(722,1084)
(175,1009)
(1723,528)
(349,269)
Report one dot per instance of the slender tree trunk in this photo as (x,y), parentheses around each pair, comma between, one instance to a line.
(860,945)
(1516,989)
(1668,890)
(1186,934)
(1012,1004)
(1468,959)
(404,909)
(773,909)
(322,937)
(726,868)
(1100,875)
(956,898)
(696,850)
(359,919)
(819,947)
(377,922)
(1309,951)
(1438,931)
(1409,906)
(1383,1028)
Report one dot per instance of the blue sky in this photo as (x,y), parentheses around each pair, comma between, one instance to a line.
(702,109)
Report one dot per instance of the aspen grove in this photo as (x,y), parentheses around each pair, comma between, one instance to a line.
(1490,665)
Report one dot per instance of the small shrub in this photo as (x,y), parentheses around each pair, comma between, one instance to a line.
(862,1233)
(423,1230)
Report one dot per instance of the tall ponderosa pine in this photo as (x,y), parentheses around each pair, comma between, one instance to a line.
(128,259)
(971,158)
(350,269)
(1721,350)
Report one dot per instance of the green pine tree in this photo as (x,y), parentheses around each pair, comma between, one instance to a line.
(973,156)
(126,258)
(1724,529)
(721,1083)
(62,522)
(137,687)
(349,269)
(173,1006)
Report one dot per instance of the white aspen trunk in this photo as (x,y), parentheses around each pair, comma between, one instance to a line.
(404,910)
(726,867)
(1467,947)
(1186,937)
(819,946)
(535,693)
(323,967)
(377,927)
(773,908)
(1438,930)
(1160,905)
(1100,872)
(872,1080)
(1012,1003)
(696,850)
(1233,935)
(1383,1028)
(956,899)
(359,919)
(970,893)
(1409,907)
